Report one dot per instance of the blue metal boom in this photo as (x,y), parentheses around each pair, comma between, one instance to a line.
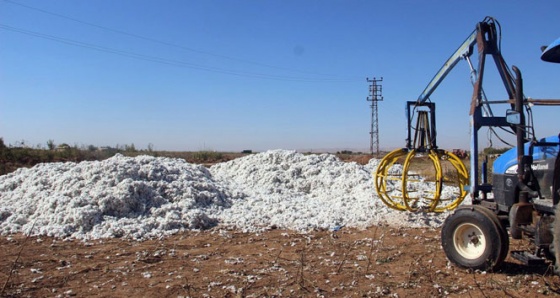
(465,50)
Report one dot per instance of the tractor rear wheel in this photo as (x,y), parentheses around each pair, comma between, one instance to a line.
(474,238)
(555,247)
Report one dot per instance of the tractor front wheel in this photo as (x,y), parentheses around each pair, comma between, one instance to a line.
(472,238)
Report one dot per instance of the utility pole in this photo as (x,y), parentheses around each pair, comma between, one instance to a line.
(374,96)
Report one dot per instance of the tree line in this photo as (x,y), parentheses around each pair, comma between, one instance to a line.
(20,154)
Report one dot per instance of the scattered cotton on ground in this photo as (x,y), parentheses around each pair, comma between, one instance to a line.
(145,197)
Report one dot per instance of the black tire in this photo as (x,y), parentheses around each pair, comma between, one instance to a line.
(472,238)
(502,229)
(555,247)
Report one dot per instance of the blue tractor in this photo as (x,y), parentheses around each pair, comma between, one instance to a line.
(522,199)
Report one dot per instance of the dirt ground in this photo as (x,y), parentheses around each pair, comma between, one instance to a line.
(376,262)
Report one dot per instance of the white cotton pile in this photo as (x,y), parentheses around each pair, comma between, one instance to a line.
(290,190)
(146,197)
(138,197)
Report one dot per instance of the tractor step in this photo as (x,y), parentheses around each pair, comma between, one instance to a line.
(546,205)
(528,259)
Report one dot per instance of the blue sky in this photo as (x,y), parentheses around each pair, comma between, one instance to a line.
(233,75)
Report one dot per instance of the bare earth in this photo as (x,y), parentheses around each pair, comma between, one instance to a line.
(377,262)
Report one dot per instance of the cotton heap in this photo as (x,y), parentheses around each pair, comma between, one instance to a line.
(145,197)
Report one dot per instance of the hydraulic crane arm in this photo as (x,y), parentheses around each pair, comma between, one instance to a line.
(485,36)
(465,50)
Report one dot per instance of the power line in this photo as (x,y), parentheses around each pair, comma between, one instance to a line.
(166,43)
(161,60)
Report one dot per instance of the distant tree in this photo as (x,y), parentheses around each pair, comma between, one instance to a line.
(150,147)
(2,145)
(20,144)
(130,148)
(492,150)
(51,145)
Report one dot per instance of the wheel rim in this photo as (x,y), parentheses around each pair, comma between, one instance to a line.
(469,241)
